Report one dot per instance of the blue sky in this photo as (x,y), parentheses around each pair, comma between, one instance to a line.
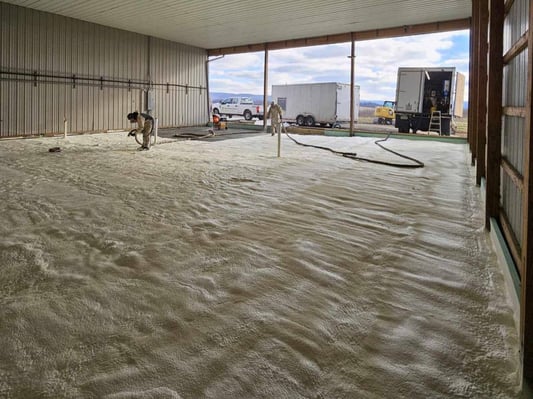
(376,64)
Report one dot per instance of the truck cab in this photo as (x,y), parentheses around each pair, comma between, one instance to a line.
(238,106)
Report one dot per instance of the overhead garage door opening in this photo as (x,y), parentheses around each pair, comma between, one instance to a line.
(376,70)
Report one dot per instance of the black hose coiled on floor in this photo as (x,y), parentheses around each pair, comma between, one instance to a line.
(353,155)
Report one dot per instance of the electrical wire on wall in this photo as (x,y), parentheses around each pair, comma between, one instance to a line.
(353,155)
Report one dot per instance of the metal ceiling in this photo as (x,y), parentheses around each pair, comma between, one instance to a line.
(211,24)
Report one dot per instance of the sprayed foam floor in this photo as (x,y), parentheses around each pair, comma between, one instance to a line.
(204,269)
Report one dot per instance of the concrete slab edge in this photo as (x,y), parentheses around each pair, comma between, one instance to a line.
(510,273)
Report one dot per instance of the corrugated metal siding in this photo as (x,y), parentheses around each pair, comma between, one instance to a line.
(514,95)
(64,48)
(516,23)
(180,75)
(512,202)
(515,91)
(513,141)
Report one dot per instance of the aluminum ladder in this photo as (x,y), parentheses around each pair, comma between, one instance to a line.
(435,122)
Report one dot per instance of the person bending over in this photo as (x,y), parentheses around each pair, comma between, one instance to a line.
(145,125)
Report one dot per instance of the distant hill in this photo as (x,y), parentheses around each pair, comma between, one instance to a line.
(258,98)
(371,104)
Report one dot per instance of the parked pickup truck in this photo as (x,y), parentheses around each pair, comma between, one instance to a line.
(238,106)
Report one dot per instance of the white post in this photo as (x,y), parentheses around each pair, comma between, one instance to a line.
(156,123)
(265,90)
(279,139)
(352,78)
(65,122)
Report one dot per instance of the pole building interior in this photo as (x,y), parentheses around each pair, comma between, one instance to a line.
(57,70)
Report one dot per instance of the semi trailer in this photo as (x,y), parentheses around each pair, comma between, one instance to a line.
(308,104)
(428,99)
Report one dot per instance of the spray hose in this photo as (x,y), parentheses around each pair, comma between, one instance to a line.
(353,155)
(193,136)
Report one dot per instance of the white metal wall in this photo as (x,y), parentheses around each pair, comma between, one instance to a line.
(513,128)
(54,68)
(180,102)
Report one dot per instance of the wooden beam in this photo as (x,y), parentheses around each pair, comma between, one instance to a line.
(517,48)
(470,87)
(508,5)
(520,112)
(474,81)
(482,71)
(494,118)
(527,230)
(407,30)
(513,174)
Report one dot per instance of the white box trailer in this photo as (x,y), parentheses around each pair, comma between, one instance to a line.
(419,91)
(327,104)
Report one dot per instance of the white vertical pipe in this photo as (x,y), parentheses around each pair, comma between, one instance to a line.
(156,123)
(352,78)
(207,91)
(279,139)
(65,122)
(265,90)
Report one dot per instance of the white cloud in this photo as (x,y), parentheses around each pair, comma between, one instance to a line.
(376,64)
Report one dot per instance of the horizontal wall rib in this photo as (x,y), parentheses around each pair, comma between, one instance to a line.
(511,171)
(508,5)
(517,48)
(515,111)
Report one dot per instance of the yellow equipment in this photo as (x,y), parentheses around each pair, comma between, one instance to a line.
(385,113)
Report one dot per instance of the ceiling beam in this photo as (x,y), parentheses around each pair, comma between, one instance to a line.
(400,31)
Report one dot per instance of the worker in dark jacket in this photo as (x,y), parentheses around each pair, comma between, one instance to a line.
(145,123)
